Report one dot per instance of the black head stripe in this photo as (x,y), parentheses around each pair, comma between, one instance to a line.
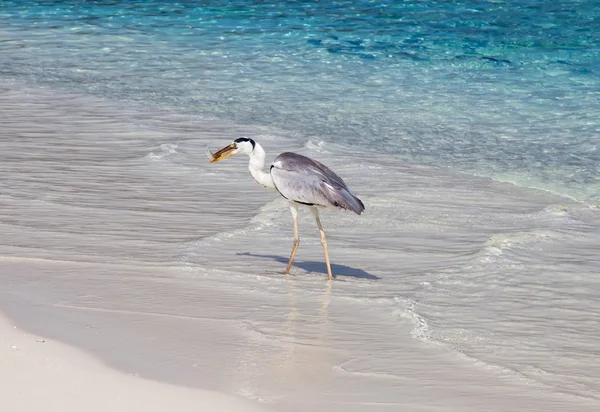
(245,139)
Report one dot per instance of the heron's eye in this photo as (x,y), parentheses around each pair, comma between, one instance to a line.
(235,146)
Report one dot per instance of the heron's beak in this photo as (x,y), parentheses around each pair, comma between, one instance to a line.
(224,153)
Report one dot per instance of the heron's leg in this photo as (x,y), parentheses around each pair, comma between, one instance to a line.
(294,210)
(315,213)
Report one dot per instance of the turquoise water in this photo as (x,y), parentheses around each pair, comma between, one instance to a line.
(509,90)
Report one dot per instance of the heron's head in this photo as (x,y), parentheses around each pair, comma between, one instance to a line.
(241,145)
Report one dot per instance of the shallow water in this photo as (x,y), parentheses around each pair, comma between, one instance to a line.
(119,236)
(454,291)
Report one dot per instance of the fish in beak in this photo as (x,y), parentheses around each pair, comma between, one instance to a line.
(224,153)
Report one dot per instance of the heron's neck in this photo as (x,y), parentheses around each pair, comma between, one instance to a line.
(257,166)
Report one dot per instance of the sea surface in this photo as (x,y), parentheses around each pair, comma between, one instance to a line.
(470,130)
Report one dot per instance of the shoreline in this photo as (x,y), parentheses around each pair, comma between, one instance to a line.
(198,359)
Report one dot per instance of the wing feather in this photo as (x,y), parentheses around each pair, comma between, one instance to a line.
(304,180)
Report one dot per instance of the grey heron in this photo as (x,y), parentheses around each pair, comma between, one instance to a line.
(299,179)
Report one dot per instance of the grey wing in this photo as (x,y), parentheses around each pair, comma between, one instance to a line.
(304,180)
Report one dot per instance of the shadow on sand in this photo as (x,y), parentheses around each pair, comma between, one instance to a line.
(318,267)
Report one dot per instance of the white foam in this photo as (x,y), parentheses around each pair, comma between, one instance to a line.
(165,149)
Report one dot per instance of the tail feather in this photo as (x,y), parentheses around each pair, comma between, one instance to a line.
(342,198)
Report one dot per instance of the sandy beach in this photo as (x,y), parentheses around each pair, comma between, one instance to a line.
(41,374)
